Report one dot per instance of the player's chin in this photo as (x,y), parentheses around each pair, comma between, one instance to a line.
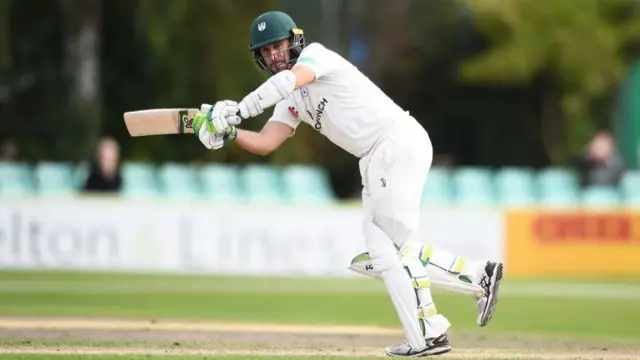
(279,67)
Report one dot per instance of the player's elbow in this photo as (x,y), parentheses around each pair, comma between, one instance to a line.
(271,146)
(264,150)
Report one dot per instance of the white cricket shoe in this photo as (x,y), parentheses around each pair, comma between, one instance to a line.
(435,346)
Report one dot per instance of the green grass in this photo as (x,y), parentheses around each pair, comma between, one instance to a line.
(159,357)
(319,301)
(104,357)
(168,357)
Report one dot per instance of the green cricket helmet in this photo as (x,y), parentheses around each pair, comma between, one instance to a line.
(272,27)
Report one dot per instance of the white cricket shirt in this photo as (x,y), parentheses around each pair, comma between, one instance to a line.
(342,104)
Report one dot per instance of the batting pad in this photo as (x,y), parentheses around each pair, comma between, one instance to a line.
(384,255)
(438,278)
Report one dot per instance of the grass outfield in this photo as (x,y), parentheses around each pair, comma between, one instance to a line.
(148,357)
(546,308)
(560,310)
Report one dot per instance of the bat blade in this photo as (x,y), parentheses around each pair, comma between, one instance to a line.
(160,121)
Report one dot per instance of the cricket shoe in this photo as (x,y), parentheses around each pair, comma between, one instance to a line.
(490,283)
(435,346)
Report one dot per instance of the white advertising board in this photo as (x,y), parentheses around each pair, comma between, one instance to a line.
(164,236)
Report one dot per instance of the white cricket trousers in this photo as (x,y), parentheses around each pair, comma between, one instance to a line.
(393,177)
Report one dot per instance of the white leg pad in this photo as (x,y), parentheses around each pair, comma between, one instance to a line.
(457,272)
(433,324)
(384,256)
(438,278)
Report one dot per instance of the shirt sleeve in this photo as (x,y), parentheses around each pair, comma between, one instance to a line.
(319,59)
(286,114)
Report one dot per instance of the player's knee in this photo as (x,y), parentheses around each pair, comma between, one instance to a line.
(385,237)
(397,230)
(384,254)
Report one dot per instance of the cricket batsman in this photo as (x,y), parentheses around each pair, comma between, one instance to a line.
(312,84)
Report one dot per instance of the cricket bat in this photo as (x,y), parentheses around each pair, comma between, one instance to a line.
(160,121)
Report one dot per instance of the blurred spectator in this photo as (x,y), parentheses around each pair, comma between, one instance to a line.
(600,165)
(104,174)
(9,151)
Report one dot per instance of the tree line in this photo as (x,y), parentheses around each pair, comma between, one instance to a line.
(500,82)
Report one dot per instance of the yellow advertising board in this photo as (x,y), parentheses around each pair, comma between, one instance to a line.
(573,243)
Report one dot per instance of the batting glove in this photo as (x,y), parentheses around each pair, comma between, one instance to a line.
(222,115)
(205,130)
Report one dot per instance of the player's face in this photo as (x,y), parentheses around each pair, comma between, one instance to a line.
(276,56)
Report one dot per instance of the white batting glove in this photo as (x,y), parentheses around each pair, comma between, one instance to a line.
(222,113)
(230,114)
(216,141)
(205,130)
(210,140)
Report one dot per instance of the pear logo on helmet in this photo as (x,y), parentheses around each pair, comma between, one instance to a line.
(281,27)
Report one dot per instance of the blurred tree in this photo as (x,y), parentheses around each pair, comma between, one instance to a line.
(79,130)
(164,53)
(32,90)
(221,66)
(146,65)
(5,36)
(167,53)
(5,59)
(574,49)
(50,77)
(417,60)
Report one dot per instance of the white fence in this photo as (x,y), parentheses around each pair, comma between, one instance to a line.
(118,234)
